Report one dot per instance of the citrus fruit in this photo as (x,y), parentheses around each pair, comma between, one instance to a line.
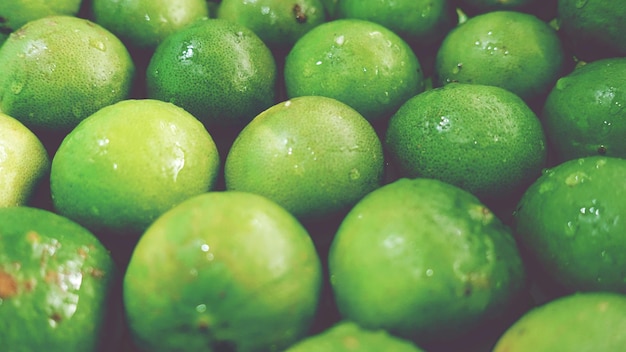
(313,155)
(487,49)
(346,336)
(146,23)
(58,70)
(56,284)
(593,321)
(420,23)
(218,70)
(481,138)
(128,163)
(24,162)
(584,113)
(357,62)
(233,272)
(593,29)
(16,13)
(424,260)
(570,221)
(279,23)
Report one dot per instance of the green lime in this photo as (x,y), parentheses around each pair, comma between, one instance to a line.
(583,322)
(570,221)
(357,62)
(222,271)
(424,260)
(146,23)
(313,155)
(16,13)
(481,138)
(24,162)
(584,113)
(279,23)
(219,71)
(56,284)
(487,49)
(593,29)
(421,23)
(58,70)
(129,162)
(346,336)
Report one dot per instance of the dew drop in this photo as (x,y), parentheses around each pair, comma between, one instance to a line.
(457,68)
(201,308)
(97,44)
(340,40)
(429,272)
(355,174)
(16,87)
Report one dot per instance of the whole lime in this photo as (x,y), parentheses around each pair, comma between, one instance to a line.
(129,162)
(56,284)
(571,222)
(233,272)
(424,260)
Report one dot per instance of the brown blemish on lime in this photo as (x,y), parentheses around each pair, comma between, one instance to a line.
(8,285)
(29,285)
(56,317)
(82,252)
(96,273)
(32,237)
(51,276)
(300,15)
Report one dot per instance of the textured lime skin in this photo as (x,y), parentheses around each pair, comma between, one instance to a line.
(585,112)
(425,260)
(56,281)
(58,70)
(24,162)
(313,155)
(571,221)
(346,336)
(223,271)
(481,138)
(357,62)
(16,13)
(594,29)
(146,23)
(219,71)
(128,163)
(279,23)
(584,322)
(508,49)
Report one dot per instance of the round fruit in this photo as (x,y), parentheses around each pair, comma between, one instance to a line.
(484,139)
(357,62)
(346,336)
(488,49)
(424,260)
(593,29)
(585,114)
(24,162)
(571,223)
(219,71)
(56,284)
(58,70)
(16,13)
(279,23)
(232,271)
(146,23)
(421,23)
(315,156)
(128,163)
(579,322)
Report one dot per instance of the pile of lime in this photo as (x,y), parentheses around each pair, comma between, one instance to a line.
(312,175)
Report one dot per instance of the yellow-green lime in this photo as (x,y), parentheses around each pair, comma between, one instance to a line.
(346,336)
(16,13)
(24,162)
(585,112)
(571,222)
(58,70)
(222,271)
(481,138)
(219,71)
(508,49)
(129,162)
(56,284)
(424,260)
(146,23)
(313,155)
(358,62)
(593,321)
